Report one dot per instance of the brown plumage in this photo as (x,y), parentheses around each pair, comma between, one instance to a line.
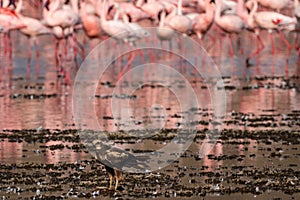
(116,160)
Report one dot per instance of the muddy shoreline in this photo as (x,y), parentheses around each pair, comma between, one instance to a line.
(86,177)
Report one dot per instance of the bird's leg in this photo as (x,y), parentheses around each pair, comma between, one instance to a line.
(231,46)
(220,49)
(81,47)
(240,46)
(5,43)
(231,56)
(285,41)
(142,55)
(10,49)
(57,41)
(151,56)
(296,45)
(130,59)
(117,182)
(260,44)
(1,43)
(29,57)
(37,54)
(110,181)
(66,43)
(272,42)
(259,47)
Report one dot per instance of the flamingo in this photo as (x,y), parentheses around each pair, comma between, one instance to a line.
(164,31)
(91,22)
(177,21)
(274,4)
(60,15)
(229,7)
(297,15)
(9,21)
(132,11)
(62,19)
(271,21)
(118,30)
(203,22)
(138,31)
(231,24)
(33,29)
(114,28)
(152,8)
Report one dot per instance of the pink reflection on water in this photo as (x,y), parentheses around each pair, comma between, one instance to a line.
(10,151)
(62,155)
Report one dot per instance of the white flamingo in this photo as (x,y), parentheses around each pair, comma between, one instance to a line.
(9,20)
(179,22)
(231,24)
(114,28)
(134,13)
(274,4)
(163,31)
(270,21)
(203,21)
(32,29)
(152,8)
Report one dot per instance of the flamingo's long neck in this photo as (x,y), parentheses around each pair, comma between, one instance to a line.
(117,14)
(241,11)
(162,18)
(19,7)
(56,5)
(179,7)
(251,21)
(74,4)
(218,10)
(209,10)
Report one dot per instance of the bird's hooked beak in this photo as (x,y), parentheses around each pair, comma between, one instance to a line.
(47,3)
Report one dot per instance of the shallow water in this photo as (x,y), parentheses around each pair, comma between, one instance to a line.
(258,98)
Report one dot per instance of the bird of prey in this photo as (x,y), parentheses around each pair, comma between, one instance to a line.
(117,160)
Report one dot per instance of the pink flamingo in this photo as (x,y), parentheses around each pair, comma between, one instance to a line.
(90,20)
(164,31)
(203,22)
(274,4)
(179,22)
(62,19)
(114,28)
(33,29)
(152,8)
(271,21)
(231,24)
(132,11)
(9,21)
(297,15)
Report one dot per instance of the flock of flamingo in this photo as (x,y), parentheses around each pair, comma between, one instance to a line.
(119,20)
